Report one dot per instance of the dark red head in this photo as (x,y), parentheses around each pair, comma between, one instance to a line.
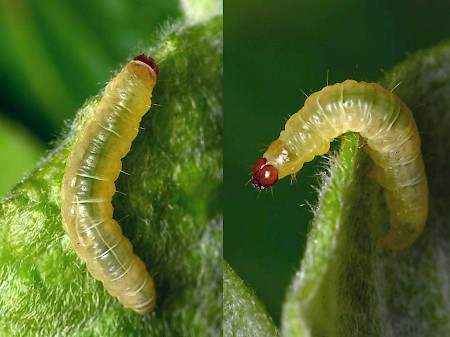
(148,60)
(264,174)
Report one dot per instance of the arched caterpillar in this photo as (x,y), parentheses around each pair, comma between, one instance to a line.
(93,166)
(393,142)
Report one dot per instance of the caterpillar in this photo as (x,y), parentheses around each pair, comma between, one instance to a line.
(93,165)
(393,140)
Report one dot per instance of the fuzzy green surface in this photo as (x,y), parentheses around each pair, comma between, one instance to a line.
(170,210)
(244,315)
(348,284)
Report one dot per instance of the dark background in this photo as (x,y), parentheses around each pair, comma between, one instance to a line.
(273,50)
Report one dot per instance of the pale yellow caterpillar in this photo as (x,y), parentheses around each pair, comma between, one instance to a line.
(393,142)
(93,166)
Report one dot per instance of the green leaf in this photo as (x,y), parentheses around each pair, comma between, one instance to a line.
(170,209)
(348,284)
(243,313)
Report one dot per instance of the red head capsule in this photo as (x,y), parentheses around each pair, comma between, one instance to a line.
(264,175)
(148,60)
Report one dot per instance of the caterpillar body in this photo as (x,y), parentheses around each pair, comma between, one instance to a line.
(92,167)
(393,142)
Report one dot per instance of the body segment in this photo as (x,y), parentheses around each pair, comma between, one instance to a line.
(393,142)
(93,166)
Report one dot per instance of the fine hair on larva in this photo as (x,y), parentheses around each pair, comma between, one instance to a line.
(390,131)
(93,165)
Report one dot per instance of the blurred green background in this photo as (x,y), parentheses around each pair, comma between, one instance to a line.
(56,54)
(273,50)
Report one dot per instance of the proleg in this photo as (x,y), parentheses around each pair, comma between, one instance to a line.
(393,140)
(94,164)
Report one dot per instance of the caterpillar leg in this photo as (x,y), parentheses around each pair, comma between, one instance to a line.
(293,178)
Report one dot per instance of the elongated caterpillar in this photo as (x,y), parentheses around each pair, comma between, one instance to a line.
(93,166)
(393,142)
